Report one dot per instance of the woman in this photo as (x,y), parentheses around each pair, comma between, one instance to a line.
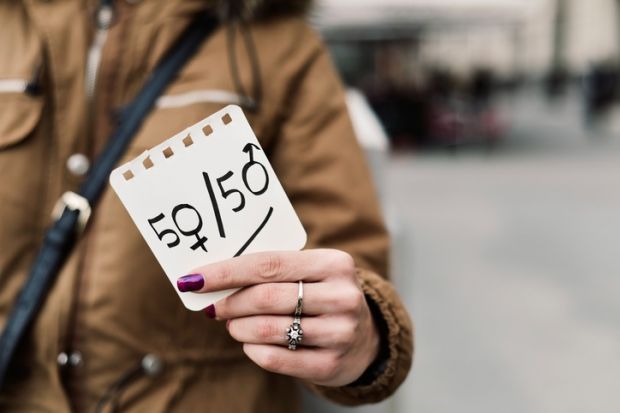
(112,335)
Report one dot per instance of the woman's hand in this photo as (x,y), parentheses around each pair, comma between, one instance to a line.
(340,338)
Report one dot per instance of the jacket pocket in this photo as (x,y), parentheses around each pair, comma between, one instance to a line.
(19,112)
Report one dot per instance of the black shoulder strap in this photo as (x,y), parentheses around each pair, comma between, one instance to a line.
(75,208)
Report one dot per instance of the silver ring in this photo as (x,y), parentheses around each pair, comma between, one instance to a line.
(294,333)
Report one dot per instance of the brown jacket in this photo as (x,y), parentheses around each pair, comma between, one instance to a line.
(111,303)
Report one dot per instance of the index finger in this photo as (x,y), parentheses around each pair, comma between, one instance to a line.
(268,267)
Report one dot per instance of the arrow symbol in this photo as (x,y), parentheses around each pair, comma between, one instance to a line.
(248,149)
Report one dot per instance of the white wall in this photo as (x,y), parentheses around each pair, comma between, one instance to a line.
(591,36)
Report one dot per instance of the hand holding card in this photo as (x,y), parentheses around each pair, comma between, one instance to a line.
(208,204)
(205,195)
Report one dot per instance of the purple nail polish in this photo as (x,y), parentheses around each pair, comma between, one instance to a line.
(191,282)
(210,311)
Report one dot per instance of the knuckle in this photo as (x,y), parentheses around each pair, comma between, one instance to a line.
(359,300)
(348,262)
(265,329)
(265,294)
(272,360)
(342,262)
(328,368)
(353,300)
(348,332)
(270,266)
(223,275)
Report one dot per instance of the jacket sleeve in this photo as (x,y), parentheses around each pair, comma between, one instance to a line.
(324,172)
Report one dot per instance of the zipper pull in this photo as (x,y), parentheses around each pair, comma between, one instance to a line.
(105,15)
(104,18)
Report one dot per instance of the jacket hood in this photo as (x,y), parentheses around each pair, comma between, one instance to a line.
(248,10)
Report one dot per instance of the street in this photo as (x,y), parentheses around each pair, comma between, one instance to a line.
(509,263)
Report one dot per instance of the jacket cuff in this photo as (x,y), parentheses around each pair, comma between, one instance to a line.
(394,361)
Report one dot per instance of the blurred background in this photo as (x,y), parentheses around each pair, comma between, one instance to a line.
(493,130)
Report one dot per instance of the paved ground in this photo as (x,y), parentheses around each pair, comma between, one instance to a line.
(512,270)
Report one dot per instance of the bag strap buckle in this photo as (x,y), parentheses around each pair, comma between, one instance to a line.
(74,202)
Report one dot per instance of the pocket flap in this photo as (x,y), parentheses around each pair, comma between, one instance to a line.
(19,114)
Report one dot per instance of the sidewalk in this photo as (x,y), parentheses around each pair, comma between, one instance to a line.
(514,265)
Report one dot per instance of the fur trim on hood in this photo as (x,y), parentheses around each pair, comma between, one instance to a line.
(261,9)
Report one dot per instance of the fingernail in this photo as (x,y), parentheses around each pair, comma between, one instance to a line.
(210,311)
(228,324)
(191,282)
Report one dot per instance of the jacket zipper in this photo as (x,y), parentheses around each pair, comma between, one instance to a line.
(104,18)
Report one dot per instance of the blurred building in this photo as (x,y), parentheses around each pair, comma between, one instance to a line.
(504,35)
(430,68)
